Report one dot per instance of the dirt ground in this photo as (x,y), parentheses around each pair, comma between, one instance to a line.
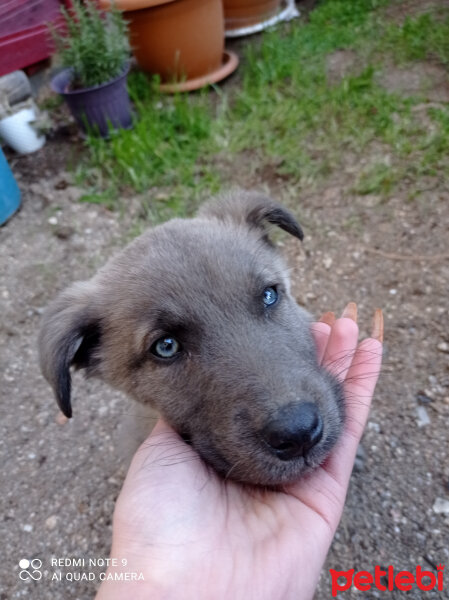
(59,484)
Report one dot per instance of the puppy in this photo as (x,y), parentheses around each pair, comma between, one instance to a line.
(196,319)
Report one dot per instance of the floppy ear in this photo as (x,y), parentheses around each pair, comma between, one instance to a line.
(70,335)
(252,209)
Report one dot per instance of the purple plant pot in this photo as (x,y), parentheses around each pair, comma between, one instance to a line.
(100,107)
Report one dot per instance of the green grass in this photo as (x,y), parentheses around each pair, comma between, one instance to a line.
(425,37)
(283,112)
(162,150)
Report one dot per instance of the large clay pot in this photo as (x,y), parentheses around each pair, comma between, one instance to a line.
(244,13)
(177,39)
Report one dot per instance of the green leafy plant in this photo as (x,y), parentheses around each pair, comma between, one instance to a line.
(95,44)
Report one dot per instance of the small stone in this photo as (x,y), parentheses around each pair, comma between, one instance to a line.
(372,426)
(327,262)
(423,418)
(429,393)
(423,398)
(441,506)
(51,522)
(61,185)
(443,347)
(103,411)
(28,528)
(359,463)
(63,232)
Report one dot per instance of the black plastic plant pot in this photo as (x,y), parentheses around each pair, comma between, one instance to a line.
(98,108)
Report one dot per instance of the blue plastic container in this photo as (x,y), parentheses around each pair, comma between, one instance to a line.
(9,191)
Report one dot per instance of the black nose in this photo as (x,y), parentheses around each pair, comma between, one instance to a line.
(294,431)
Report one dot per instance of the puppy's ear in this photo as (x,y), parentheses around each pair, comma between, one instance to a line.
(70,335)
(252,209)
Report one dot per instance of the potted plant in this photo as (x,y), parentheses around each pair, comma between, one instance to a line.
(94,52)
(182,41)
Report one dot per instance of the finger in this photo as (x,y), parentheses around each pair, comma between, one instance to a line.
(328,318)
(359,388)
(341,346)
(359,385)
(350,311)
(378,326)
(321,332)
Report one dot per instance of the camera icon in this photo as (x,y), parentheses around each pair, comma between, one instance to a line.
(30,569)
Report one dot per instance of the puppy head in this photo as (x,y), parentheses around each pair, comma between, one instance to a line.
(195,317)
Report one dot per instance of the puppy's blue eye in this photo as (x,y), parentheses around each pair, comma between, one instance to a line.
(270,296)
(166,347)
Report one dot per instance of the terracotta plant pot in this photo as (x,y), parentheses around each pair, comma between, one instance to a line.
(244,13)
(180,40)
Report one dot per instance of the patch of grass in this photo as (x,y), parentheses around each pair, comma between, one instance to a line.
(51,103)
(434,147)
(285,113)
(425,37)
(163,149)
(105,198)
(379,179)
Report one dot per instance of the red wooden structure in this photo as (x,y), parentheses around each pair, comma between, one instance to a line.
(24,36)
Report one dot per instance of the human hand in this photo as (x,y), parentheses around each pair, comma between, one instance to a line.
(195,536)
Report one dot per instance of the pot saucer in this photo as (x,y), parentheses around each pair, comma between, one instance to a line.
(286,12)
(229,64)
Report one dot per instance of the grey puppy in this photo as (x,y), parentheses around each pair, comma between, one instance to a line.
(196,319)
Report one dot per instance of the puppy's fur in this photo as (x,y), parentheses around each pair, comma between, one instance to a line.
(241,363)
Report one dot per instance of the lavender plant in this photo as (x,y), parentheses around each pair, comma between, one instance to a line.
(94,45)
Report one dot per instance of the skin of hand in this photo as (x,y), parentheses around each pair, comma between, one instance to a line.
(194,536)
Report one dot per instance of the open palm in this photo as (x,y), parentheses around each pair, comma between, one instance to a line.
(194,536)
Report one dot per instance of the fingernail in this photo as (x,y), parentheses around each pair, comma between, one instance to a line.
(328,318)
(61,419)
(378,325)
(350,311)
